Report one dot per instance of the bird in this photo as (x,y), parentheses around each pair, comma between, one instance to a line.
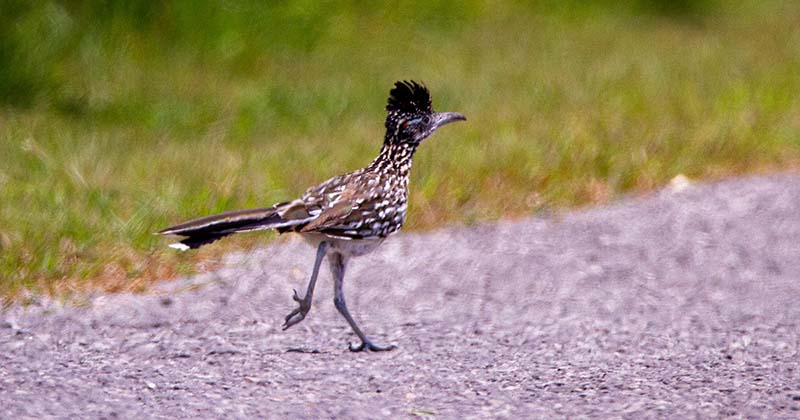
(346,216)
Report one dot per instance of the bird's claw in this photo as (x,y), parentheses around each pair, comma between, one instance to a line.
(299,313)
(293,318)
(296,297)
(367,345)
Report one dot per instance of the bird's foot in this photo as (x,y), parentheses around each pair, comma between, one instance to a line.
(367,345)
(299,313)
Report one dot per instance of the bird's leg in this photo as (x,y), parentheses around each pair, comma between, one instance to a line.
(337,262)
(304,303)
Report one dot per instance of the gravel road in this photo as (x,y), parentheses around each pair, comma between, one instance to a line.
(679,304)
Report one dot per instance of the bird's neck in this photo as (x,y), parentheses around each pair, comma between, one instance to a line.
(395,156)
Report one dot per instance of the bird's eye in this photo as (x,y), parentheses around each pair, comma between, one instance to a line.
(426,120)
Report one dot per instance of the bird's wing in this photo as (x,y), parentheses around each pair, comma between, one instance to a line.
(344,204)
(330,217)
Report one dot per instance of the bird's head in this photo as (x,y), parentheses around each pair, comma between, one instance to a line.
(411,118)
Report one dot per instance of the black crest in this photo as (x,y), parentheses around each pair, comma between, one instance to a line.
(409,97)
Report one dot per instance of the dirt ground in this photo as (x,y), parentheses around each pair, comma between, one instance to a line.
(679,304)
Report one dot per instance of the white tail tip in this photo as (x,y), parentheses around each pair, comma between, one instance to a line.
(179,246)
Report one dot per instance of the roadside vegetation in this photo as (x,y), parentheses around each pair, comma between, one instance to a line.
(121,118)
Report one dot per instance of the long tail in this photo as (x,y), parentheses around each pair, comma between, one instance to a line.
(199,232)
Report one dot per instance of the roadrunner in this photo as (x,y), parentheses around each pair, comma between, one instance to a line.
(345,216)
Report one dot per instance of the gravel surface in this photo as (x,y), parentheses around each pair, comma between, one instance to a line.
(680,304)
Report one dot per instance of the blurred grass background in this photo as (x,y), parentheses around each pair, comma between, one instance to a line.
(118,118)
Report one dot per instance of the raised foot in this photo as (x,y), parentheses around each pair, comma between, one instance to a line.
(367,345)
(299,313)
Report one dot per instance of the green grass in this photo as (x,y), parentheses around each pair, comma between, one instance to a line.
(119,120)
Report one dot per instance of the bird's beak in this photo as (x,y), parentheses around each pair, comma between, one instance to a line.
(443,118)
